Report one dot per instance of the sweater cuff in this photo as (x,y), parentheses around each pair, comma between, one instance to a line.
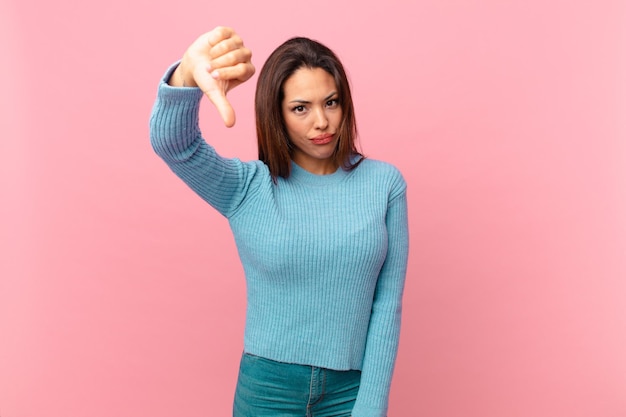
(362,411)
(168,93)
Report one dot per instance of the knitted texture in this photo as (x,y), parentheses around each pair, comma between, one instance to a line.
(324,255)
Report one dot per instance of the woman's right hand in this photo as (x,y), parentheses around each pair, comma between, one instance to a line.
(216,62)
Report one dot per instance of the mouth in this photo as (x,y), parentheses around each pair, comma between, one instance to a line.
(323,139)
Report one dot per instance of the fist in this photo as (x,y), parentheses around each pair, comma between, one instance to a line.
(216,62)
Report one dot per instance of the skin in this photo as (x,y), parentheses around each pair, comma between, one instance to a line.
(312,115)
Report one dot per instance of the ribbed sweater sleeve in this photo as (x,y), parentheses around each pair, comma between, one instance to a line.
(384,328)
(175,136)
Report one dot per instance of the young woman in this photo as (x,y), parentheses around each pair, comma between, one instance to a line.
(321,231)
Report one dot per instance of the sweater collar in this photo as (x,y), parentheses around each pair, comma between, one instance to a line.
(302,175)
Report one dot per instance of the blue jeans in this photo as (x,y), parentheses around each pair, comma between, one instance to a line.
(267,388)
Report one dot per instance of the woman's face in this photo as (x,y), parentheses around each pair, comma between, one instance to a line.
(312,115)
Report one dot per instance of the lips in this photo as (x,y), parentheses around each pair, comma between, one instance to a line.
(323,139)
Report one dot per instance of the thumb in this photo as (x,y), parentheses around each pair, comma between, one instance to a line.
(224,108)
(215,90)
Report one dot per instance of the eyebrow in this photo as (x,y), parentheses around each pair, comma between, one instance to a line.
(301,101)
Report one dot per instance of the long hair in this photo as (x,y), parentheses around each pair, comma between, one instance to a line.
(273,141)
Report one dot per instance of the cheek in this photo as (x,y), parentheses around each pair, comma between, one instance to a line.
(295,128)
(337,119)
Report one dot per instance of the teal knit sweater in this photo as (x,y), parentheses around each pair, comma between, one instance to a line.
(324,255)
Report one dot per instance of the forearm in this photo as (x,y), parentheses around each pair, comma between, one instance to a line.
(174,130)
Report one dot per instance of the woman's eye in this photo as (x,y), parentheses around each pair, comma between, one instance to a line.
(298,109)
(332,103)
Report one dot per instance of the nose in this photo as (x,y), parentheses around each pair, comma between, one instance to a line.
(321,121)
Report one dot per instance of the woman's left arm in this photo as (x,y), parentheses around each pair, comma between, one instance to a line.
(384,328)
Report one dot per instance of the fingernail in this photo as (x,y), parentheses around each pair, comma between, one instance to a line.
(215,74)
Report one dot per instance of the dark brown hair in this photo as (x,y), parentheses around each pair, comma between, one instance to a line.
(274,145)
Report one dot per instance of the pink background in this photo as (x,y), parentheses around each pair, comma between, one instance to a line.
(121,293)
